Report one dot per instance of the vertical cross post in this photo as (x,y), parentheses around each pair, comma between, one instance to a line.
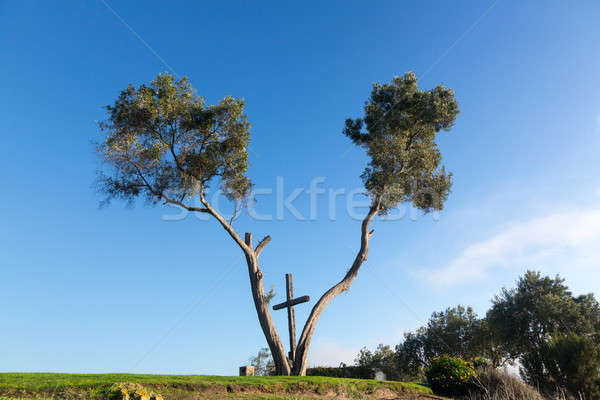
(289,304)
(291,317)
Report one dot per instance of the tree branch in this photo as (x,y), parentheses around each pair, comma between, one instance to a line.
(235,213)
(261,245)
(341,286)
(207,208)
(183,205)
(245,248)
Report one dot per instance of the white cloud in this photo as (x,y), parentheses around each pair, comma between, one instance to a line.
(559,243)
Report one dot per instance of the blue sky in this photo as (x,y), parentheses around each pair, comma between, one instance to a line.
(84,289)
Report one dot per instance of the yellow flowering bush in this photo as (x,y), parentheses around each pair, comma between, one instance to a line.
(131,391)
(449,375)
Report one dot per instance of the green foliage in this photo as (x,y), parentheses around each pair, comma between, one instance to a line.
(487,346)
(525,317)
(382,359)
(343,371)
(456,332)
(401,123)
(410,355)
(162,142)
(449,375)
(554,335)
(478,362)
(566,362)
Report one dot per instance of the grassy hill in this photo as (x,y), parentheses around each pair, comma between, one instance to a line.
(43,386)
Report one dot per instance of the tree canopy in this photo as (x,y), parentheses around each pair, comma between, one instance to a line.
(398,133)
(164,143)
(455,332)
(527,316)
(554,335)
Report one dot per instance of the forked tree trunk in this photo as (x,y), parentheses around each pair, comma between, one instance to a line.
(282,365)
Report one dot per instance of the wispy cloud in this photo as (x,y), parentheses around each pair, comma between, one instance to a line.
(562,240)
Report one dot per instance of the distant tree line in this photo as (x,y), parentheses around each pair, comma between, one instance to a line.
(539,326)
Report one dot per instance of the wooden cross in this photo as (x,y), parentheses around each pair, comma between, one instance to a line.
(289,304)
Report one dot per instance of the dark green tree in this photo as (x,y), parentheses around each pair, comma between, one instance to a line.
(542,325)
(567,362)
(163,143)
(526,316)
(456,332)
(410,355)
(452,332)
(381,359)
(573,362)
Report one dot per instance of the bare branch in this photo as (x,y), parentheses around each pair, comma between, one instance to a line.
(235,213)
(183,205)
(341,286)
(247,249)
(262,244)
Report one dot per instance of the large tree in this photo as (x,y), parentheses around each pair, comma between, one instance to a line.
(163,143)
(554,335)
(457,332)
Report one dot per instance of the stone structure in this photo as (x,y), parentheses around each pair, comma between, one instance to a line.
(247,370)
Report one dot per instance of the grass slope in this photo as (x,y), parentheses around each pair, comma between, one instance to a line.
(41,386)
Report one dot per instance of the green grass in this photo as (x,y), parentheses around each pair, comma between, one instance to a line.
(43,386)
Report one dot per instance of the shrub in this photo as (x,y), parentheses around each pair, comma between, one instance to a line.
(495,384)
(449,375)
(478,362)
(131,391)
(343,371)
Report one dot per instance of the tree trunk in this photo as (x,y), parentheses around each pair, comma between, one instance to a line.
(282,366)
(299,367)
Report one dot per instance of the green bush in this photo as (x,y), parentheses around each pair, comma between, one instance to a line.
(131,391)
(449,375)
(478,362)
(344,371)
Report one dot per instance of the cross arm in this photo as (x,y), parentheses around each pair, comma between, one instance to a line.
(292,302)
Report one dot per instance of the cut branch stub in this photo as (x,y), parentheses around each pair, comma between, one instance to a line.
(261,245)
